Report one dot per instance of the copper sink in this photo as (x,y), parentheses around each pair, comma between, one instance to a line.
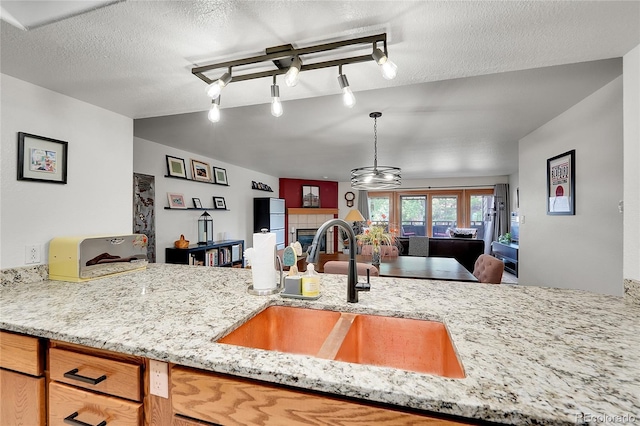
(285,329)
(403,343)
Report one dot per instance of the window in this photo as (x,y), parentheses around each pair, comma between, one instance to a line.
(379,210)
(480,203)
(413,213)
(444,215)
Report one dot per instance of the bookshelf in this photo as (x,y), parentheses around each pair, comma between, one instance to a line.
(225,253)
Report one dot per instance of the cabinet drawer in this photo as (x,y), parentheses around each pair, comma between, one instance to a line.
(21,353)
(91,408)
(227,400)
(122,378)
(22,399)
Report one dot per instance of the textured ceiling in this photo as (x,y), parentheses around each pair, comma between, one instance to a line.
(135,58)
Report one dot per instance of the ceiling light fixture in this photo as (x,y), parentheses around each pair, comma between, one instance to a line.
(376,177)
(348,97)
(215,88)
(276,105)
(288,60)
(389,69)
(214,112)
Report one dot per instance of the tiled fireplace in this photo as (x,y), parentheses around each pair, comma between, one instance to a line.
(309,220)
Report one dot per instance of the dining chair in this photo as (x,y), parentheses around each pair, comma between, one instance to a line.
(488,269)
(341,267)
(418,246)
(385,250)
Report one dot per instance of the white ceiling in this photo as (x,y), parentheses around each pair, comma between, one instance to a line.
(473,77)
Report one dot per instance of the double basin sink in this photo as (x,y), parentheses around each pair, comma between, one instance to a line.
(403,343)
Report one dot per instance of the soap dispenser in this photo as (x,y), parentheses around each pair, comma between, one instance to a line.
(311,282)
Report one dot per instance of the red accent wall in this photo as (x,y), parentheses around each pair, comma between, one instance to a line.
(291,191)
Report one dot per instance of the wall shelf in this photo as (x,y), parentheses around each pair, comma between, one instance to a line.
(193,180)
(203,208)
(226,253)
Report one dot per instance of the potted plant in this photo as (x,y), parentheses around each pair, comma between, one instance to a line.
(505,238)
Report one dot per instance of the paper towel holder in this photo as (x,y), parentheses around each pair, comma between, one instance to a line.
(267,292)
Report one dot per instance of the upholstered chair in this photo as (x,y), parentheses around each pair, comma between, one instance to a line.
(341,267)
(488,269)
(385,250)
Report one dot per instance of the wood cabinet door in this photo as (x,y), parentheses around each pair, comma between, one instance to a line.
(22,399)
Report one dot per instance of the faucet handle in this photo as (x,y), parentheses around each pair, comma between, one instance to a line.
(364,286)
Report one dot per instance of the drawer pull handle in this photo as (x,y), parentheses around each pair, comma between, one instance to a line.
(71,420)
(71,374)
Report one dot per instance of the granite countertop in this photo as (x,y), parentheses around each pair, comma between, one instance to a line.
(531,355)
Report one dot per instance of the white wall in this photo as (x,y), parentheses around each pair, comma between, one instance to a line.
(97,197)
(631,101)
(582,251)
(514,184)
(150,158)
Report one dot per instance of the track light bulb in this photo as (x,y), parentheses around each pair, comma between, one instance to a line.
(389,69)
(348,97)
(215,88)
(291,77)
(214,112)
(276,105)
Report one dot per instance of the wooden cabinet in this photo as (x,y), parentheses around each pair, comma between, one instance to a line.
(268,213)
(219,399)
(22,382)
(90,386)
(219,253)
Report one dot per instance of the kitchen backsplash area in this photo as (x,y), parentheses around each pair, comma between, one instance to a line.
(24,274)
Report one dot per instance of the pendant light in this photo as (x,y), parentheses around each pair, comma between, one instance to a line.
(376,177)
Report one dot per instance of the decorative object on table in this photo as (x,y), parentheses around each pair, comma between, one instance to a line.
(176,201)
(349,196)
(376,177)
(219,203)
(205,228)
(561,184)
(220,176)
(181,243)
(505,238)
(201,171)
(310,196)
(42,159)
(197,203)
(376,235)
(176,167)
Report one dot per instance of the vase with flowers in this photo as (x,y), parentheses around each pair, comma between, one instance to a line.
(377,236)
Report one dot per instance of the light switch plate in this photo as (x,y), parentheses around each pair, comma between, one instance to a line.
(159,378)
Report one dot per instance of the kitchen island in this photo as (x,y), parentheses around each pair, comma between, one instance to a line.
(531,355)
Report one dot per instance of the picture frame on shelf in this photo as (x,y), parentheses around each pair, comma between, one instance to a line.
(219,203)
(561,184)
(176,201)
(176,167)
(201,171)
(310,196)
(42,159)
(197,203)
(220,175)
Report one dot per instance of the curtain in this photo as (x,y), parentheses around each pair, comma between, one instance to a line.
(489,214)
(501,206)
(363,203)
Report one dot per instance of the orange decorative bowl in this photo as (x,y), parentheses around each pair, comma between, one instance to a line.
(181,243)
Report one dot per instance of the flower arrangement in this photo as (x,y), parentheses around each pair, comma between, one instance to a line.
(376,235)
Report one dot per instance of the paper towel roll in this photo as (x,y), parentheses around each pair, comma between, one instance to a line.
(263,261)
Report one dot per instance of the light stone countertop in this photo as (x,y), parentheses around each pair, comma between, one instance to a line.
(531,355)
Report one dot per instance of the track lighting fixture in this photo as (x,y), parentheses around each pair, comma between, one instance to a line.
(389,69)
(348,98)
(376,177)
(214,89)
(289,61)
(276,105)
(214,112)
(291,77)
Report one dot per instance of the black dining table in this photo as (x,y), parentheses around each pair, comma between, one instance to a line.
(432,268)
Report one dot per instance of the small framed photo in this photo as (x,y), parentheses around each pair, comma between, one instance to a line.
(219,203)
(42,159)
(561,184)
(176,167)
(196,203)
(220,175)
(200,171)
(176,201)
(310,196)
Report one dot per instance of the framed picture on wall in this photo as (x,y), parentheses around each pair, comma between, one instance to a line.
(200,171)
(219,203)
(176,167)
(42,159)
(220,175)
(176,201)
(561,184)
(310,196)
(197,203)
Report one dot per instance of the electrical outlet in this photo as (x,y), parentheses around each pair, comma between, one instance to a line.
(159,378)
(32,254)
(522,219)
